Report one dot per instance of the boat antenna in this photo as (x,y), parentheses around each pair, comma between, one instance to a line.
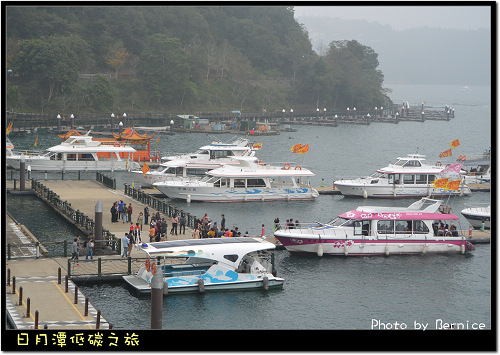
(86,134)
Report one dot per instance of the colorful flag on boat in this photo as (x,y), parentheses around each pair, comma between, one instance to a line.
(453,185)
(145,169)
(440,183)
(252,131)
(9,127)
(446,153)
(455,143)
(36,141)
(304,149)
(257,146)
(296,148)
(157,140)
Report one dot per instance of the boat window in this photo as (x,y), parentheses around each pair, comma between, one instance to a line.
(420,227)
(71,157)
(361,227)
(401,162)
(431,179)
(218,154)
(403,227)
(86,156)
(411,163)
(408,178)
(396,178)
(231,257)
(217,183)
(421,179)
(239,182)
(374,181)
(337,222)
(385,227)
(256,183)
(197,172)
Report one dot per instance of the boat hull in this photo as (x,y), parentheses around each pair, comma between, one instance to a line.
(142,286)
(411,191)
(51,165)
(203,194)
(359,247)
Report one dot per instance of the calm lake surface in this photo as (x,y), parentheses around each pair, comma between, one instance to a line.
(326,292)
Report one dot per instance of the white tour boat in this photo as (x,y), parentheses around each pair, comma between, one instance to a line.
(478,215)
(375,230)
(181,168)
(217,151)
(77,153)
(408,177)
(248,181)
(214,264)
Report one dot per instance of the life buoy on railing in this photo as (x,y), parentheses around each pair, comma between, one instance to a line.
(298,168)
(286,166)
(116,144)
(462,158)
(261,162)
(147,265)
(153,268)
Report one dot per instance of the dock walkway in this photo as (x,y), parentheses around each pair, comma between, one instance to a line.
(49,304)
(84,195)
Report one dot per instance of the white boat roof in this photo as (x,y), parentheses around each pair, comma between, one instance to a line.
(85,144)
(208,248)
(403,165)
(248,168)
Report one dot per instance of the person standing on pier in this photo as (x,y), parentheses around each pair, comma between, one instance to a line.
(74,250)
(125,242)
(139,220)
(90,248)
(222,222)
(121,205)
(174,221)
(146,215)
(129,212)
(182,225)
(114,213)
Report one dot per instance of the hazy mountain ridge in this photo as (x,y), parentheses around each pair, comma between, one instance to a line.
(416,56)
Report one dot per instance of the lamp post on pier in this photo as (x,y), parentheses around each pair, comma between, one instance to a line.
(112,122)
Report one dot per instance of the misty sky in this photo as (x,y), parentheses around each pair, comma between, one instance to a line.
(406,17)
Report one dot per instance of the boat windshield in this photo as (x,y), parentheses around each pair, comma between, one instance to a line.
(209,179)
(377,175)
(337,222)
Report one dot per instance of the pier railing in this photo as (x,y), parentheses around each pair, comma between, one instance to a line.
(56,249)
(80,219)
(158,204)
(106,181)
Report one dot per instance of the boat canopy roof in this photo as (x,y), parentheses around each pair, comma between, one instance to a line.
(424,209)
(250,168)
(85,144)
(211,248)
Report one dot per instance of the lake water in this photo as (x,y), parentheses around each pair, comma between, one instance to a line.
(330,292)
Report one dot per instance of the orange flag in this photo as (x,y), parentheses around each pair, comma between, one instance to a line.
(257,146)
(440,183)
(453,185)
(36,141)
(446,153)
(455,143)
(157,140)
(304,149)
(145,169)
(296,148)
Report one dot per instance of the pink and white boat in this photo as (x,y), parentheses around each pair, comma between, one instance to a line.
(425,226)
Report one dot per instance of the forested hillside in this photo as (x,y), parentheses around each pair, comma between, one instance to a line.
(104,59)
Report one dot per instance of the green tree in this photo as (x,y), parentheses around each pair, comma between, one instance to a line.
(165,70)
(53,62)
(99,94)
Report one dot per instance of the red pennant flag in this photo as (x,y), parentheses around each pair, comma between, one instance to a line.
(446,153)
(455,143)
(145,169)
